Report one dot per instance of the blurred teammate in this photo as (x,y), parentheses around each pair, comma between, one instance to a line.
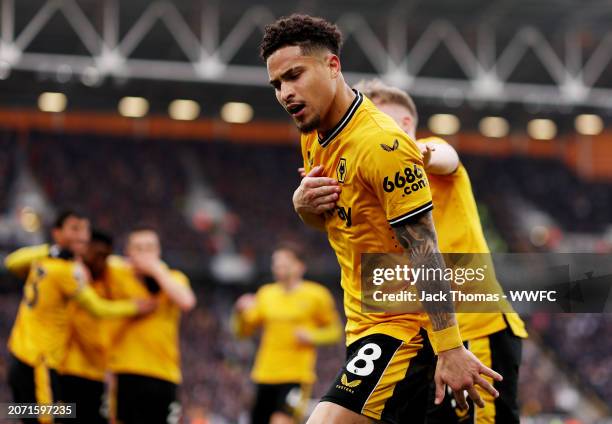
(296,316)
(42,328)
(389,361)
(27,376)
(145,355)
(82,371)
(495,338)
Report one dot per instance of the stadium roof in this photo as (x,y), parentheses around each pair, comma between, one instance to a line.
(545,54)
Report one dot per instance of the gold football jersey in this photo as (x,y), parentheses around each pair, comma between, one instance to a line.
(281,358)
(147,345)
(380,171)
(459,231)
(42,326)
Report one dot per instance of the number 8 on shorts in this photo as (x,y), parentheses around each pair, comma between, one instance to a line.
(385,378)
(363,364)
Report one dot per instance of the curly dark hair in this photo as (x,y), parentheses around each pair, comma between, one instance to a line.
(308,32)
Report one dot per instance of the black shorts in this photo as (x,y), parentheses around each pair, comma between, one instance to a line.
(286,398)
(142,399)
(88,395)
(385,379)
(22,383)
(500,351)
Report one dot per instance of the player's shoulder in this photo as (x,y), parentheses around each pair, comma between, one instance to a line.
(268,287)
(377,132)
(53,264)
(61,270)
(40,250)
(118,263)
(119,268)
(315,288)
(372,120)
(268,291)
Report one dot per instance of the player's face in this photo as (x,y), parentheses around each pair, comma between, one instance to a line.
(73,235)
(95,258)
(143,243)
(285,266)
(399,113)
(303,84)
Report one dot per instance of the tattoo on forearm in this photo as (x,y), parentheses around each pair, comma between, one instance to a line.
(420,242)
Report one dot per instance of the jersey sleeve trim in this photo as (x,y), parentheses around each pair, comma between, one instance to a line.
(396,222)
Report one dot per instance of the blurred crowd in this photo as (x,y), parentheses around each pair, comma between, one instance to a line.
(7,167)
(121,181)
(118,182)
(583,342)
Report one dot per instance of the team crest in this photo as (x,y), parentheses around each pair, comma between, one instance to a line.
(341,170)
(387,148)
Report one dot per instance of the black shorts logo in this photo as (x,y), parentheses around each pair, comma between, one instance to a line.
(347,385)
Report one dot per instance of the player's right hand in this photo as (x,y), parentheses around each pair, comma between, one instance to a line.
(461,371)
(244,302)
(146,306)
(316,194)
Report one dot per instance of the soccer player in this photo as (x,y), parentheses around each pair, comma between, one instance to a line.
(28,377)
(145,355)
(42,328)
(495,338)
(296,316)
(82,371)
(346,193)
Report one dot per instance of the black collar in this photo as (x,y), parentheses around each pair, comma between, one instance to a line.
(344,121)
(57,252)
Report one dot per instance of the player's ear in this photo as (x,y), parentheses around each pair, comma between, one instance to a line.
(333,62)
(56,234)
(407,123)
(301,269)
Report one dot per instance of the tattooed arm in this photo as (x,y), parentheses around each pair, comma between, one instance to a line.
(456,366)
(419,240)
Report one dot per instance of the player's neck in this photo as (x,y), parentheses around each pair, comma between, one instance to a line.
(291,284)
(341,103)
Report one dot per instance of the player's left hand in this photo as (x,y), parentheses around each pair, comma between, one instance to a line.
(302,172)
(303,337)
(426,151)
(462,371)
(245,302)
(316,194)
